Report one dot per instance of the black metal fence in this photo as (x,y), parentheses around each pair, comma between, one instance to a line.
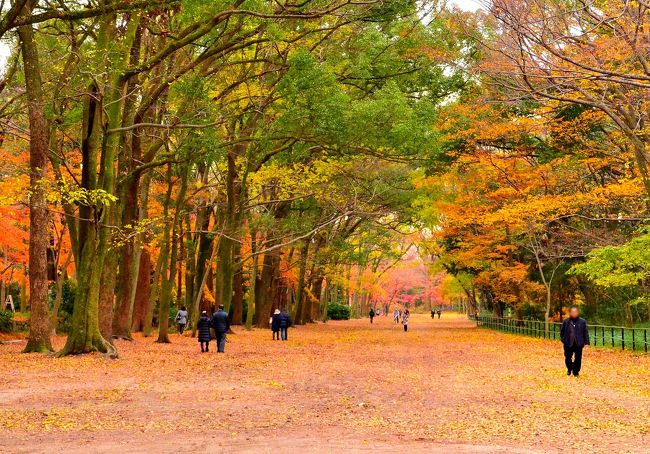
(634,339)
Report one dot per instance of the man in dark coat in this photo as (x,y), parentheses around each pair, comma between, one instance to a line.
(285,323)
(203,328)
(371,314)
(574,335)
(220,324)
(275,324)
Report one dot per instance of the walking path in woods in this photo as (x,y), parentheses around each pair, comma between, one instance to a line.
(444,386)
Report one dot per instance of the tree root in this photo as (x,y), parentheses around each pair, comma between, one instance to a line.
(79,346)
(38,347)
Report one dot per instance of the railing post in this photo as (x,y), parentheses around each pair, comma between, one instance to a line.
(622,338)
(603,336)
(595,335)
(633,340)
(612,336)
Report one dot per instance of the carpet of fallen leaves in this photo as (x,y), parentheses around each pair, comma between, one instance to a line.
(445,386)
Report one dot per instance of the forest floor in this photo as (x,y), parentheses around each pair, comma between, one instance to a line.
(445,386)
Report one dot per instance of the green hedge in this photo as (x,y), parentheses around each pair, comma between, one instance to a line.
(338,312)
(6,321)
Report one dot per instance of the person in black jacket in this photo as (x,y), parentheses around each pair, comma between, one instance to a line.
(285,323)
(574,335)
(220,324)
(203,327)
(371,314)
(275,324)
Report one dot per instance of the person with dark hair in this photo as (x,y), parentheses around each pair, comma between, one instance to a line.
(372,314)
(439,313)
(181,319)
(203,328)
(574,334)
(405,320)
(220,324)
(285,323)
(275,324)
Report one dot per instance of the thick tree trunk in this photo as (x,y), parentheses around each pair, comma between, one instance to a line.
(143,288)
(128,269)
(107,296)
(102,114)
(39,328)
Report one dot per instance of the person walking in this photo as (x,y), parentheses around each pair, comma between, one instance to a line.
(372,314)
(396,316)
(439,313)
(220,324)
(203,328)
(181,320)
(285,323)
(275,324)
(574,335)
(405,320)
(433,313)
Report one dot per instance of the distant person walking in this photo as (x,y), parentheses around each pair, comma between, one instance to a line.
(181,320)
(433,313)
(220,324)
(203,327)
(275,324)
(285,323)
(439,313)
(405,319)
(372,314)
(396,316)
(574,335)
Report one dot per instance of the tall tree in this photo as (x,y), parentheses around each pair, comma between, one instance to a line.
(39,331)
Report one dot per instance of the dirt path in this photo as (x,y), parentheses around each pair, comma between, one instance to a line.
(444,386)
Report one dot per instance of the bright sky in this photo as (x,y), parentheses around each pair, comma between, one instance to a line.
(467,5)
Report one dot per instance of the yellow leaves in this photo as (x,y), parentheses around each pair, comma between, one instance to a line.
(271,384)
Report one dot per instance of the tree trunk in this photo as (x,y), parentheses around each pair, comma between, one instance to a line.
(317,289)
(238,291)
(143,288)
(39,328)
(147,327)
(107,296)
(264,288)
(253,282)
(300,291)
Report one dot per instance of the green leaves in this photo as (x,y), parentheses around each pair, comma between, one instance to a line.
(618,266)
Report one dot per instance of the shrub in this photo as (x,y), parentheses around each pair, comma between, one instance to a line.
(338,312)
(6,321)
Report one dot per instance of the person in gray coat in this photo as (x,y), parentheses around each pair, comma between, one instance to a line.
(181,319)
